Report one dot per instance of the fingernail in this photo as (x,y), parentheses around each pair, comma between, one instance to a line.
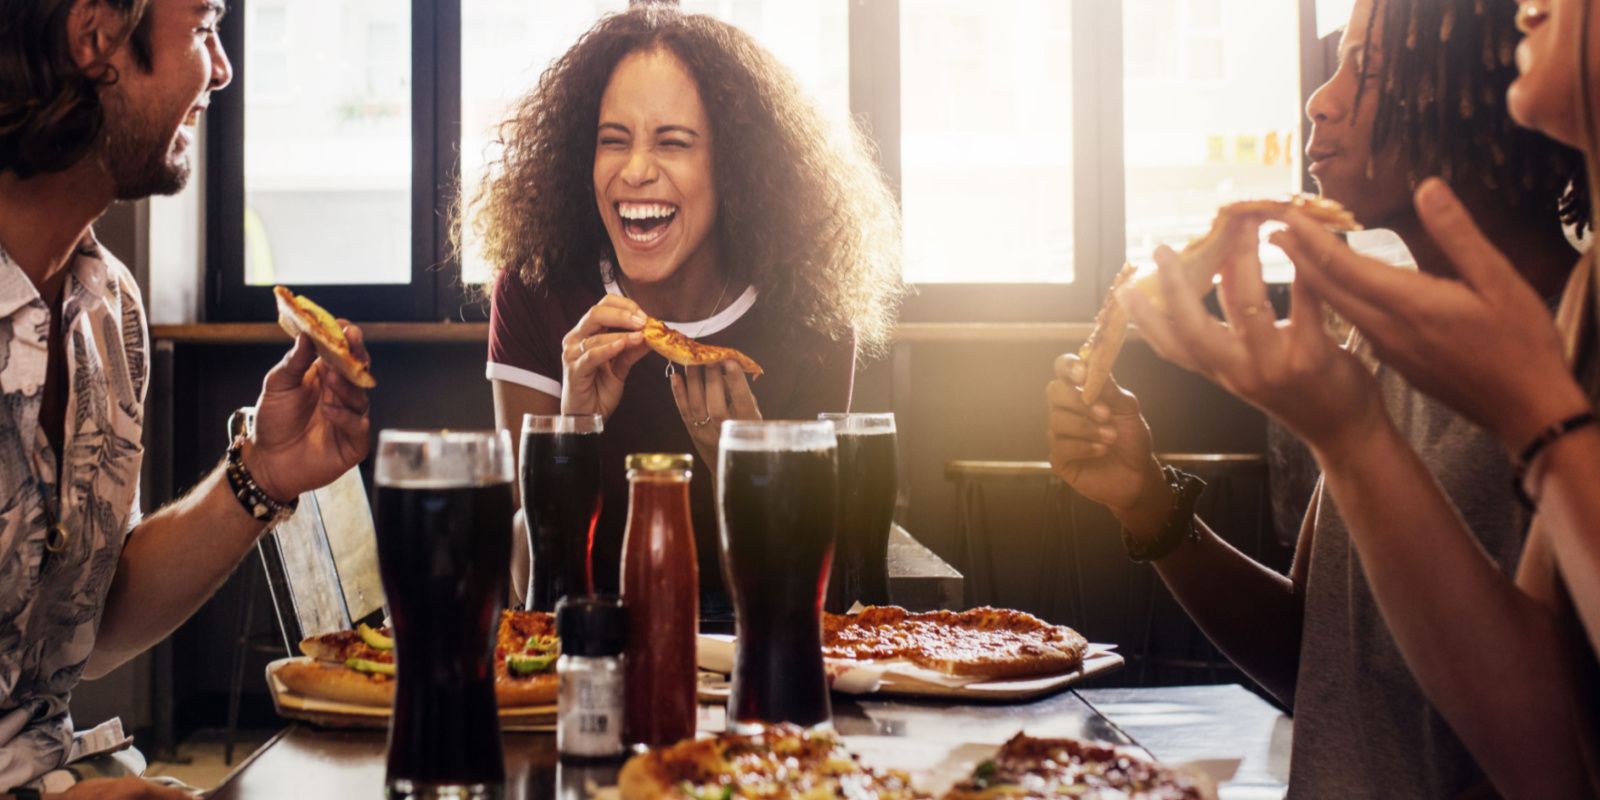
(639,318)
(1100,412)
(1098,449)
(1107,434)
(1432,196)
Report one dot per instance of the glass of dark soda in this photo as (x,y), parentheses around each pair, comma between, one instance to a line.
(443,518)
(561,498)
(868,488)
(776,508)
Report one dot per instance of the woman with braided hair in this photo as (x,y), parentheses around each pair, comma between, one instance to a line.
(1489,627)
(1392,637)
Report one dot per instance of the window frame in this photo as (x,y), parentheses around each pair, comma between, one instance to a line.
(435,292)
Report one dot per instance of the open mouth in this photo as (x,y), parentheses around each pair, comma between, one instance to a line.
(644,223)
(193,118)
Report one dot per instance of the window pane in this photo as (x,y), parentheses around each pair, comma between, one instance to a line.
(986,111)
(509,42)
(506,44)
(327,151)
(1214,119)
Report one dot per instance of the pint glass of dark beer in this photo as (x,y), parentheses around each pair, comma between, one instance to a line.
(561,496)
(868,486)
(775,501)
(444,539)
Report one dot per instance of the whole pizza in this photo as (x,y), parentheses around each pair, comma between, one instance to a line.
(1026,767)
(987,643)
(780,761)
(357,666)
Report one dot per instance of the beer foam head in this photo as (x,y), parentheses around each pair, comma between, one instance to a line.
(769,436)
(563,423)
(860,424)
(437,459)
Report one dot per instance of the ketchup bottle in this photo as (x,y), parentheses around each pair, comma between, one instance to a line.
(661,590)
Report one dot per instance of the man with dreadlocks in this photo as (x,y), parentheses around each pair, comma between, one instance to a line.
(1418,92)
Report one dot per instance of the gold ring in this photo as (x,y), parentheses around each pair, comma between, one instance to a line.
(702,423)
(1253,309)
(583,345)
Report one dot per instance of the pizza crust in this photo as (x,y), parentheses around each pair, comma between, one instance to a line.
(336,683)
(297,315)
(1199,265)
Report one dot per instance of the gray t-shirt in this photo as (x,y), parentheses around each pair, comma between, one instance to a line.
(1363,728)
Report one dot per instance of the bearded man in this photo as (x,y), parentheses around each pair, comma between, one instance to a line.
(98,102)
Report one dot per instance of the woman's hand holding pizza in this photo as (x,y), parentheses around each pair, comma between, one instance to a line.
(1104,451)
(598,353)
(1484,344)
(707,395)
(1293,370)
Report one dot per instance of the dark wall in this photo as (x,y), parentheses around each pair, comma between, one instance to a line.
(967,401)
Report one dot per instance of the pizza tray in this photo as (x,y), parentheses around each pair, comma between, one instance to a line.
(331,714)
(901,679)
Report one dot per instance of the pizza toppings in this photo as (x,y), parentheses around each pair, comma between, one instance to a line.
(982,642)
(298,315)
(780,761)
(358,666)
(1062,768)
(680,349)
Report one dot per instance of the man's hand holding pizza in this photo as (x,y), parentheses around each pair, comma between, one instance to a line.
(1104,451)
(311,423)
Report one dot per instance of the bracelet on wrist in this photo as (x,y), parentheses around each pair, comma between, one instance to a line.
(1180,527)
(261,506)
(1524,460)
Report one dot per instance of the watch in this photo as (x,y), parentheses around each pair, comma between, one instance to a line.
(257,503)
(24,793)
(1180,527)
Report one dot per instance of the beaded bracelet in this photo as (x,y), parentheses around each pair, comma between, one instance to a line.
(257,503)
(1545,438)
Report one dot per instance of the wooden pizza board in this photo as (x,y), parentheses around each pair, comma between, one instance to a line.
(330,714)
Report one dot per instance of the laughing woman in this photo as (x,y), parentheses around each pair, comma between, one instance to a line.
(668,166)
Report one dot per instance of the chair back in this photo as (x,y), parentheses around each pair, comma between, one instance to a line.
(322,562)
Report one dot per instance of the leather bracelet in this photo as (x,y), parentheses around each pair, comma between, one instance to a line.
(257,503)
(1180,527)
(1546,437)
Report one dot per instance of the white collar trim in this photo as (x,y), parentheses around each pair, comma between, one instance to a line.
(696,329)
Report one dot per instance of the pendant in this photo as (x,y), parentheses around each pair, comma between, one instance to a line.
(56,538)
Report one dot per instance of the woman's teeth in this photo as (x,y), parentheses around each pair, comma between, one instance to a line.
(646,222)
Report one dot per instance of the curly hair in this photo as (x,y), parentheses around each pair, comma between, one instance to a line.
(803,212)
(1447,65)
(50,109)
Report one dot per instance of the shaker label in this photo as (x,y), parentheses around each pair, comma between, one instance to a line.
(590,714)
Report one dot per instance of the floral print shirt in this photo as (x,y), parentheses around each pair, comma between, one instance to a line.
(51,602)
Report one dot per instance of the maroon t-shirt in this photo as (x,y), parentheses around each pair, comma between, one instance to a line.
(805,373)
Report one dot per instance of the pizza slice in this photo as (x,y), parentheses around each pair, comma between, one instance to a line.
(358,666)
(780,761)
(1201,260)
(297,315)
(1044,769)
(680,349)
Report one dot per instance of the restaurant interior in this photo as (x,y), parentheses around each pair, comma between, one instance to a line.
(1032,146)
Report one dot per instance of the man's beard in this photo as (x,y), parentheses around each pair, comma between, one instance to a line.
(136,152)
